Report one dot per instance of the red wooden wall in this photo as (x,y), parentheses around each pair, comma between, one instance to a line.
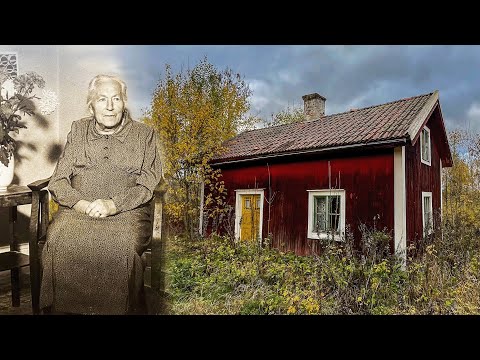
(421,177)
(367,180)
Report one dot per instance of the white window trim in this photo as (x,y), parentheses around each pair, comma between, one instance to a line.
(426,194)
(429,163)
(400,201)
(333,192)
(441,196)
(238,210)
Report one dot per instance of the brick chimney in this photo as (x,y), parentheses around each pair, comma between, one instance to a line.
(313,106)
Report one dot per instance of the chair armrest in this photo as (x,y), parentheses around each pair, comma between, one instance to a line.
(39,184)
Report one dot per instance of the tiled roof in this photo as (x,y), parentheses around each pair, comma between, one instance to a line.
(371,124)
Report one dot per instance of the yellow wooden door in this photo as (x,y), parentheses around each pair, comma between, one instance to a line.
(250,221)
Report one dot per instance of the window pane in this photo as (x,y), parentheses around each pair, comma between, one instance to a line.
(334,223)
(427,212)
(247,203)
(427,135)
(334,213)
(319,213)
(334,203)
(428,147)
(425,145)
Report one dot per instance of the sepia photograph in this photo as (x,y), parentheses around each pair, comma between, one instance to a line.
(239,180)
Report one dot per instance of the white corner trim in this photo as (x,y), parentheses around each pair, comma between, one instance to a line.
(400,203)
(23,249)
(441,192)
(238,209)
(421,116)
(333,192)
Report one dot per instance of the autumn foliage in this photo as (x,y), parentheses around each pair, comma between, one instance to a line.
(461,193)
(195,111)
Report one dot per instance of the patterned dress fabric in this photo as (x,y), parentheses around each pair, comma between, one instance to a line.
(94,265)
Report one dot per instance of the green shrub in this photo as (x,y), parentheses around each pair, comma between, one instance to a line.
(218,276)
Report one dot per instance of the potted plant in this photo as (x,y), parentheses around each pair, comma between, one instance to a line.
(12,108)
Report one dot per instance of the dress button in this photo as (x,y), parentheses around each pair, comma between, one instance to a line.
(105,157)
(105,148)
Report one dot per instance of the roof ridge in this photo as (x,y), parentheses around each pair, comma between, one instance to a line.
(344,112)
(377,105)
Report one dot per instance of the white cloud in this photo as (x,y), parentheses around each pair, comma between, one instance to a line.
(474,110)
(261,95)
(356,102)
(289,77)
(473,117)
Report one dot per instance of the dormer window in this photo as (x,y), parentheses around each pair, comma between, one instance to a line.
(425,146)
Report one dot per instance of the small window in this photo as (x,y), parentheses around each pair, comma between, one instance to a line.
(427,213)
(326,214)
(425,146)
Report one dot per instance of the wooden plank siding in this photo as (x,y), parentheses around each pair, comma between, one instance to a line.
(366,177)
(421,177)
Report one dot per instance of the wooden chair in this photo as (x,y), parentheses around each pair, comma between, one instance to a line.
(154,280)
(14,259)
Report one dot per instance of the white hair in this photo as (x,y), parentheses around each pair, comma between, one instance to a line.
(92,87)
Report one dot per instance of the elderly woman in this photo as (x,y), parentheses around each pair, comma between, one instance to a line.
(103,183)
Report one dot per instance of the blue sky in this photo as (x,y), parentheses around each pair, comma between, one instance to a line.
(348,76)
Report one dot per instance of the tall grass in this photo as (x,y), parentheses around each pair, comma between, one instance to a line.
(216,275)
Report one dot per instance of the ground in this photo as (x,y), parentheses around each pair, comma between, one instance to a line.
(156,306)
(6,307)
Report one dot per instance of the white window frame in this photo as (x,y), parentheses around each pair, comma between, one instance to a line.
(238,210)
(429,161)
(324,192)
(427,194)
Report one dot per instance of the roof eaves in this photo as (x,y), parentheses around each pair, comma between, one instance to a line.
(388,142)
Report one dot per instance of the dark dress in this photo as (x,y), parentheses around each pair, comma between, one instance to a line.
(94,265)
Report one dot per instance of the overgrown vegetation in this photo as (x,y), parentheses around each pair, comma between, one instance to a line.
(218,276)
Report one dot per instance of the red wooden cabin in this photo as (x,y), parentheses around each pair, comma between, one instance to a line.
(303,182)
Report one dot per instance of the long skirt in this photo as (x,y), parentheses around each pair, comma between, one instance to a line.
(94,265)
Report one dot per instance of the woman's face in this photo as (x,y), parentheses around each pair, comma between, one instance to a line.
(108,104)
